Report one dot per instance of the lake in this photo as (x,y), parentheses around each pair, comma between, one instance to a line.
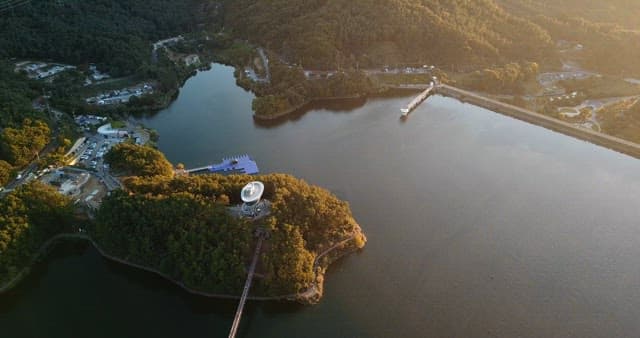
(478,225)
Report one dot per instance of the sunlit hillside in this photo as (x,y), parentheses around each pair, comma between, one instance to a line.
(320,33)
(625,13)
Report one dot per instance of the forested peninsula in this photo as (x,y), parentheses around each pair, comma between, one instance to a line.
(183,228)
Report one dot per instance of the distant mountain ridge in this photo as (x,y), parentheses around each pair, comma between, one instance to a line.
(331,34)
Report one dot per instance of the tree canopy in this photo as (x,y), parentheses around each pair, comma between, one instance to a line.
(20,145)
(334,34)
(30,216)
(181,226)
(114,34)
(23,130)
(608,30)
(136,160)
(5,172)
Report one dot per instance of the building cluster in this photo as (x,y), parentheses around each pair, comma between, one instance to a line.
(565,45)
(96,75)
(316,74)
(42,70)
(79,185)
(120,96)
(571,96)
(191,60)
(424,69)
(88,121)
(548,79)
(167,42)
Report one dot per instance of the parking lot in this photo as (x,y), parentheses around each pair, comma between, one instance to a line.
(91,153)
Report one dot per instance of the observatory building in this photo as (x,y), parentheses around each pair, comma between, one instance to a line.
(251,196)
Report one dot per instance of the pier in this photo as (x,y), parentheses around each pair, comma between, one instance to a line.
(242,164)
(418,100)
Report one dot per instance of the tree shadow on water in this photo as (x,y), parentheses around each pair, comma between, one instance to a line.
(333,106)
(59,251)
(157,284)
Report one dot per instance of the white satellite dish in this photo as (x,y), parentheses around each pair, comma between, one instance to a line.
(252,192)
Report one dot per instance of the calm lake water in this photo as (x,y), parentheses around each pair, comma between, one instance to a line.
(478,225)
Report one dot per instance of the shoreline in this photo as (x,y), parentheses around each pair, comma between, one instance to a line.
(306,103)
(601,139)
(39,254)
(309,296)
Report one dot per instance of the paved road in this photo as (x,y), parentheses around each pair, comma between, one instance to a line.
(265,62)
(33,166)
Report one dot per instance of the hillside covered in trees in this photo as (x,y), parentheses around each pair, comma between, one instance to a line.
(181,227)
(463,34)
(29,217)
(343,33)
(117,36)
(625,13)
(608,30)
(114,34)
(336,34)
(135,160)
(23,131)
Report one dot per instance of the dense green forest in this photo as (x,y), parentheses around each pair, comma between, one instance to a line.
(184,235)
(507,79)
(117,36)
(621,12)
(608,30)
(30,216)
(16,94)
(344,33)
(181,227)
(290,89)
(114,34)
(23,131)
(135,160)
(607,48)
(20,145)
(458,33)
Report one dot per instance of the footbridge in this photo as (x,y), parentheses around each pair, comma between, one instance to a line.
(247,287)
